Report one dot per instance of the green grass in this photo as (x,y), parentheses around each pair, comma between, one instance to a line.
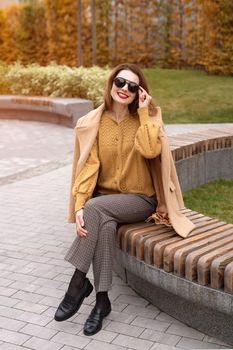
(188,96)
(214,199)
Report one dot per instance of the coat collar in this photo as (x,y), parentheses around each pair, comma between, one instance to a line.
(91,119)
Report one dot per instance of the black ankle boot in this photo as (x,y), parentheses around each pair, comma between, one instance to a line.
(94,322)
(102,308)
(70,305)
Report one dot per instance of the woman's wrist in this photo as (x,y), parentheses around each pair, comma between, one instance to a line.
(143,113)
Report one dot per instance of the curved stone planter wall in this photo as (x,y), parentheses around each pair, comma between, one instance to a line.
(203,157)
(65,111)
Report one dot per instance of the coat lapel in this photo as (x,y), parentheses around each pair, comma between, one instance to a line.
(85,134)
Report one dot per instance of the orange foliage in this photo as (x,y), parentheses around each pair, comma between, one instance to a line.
(168,33)
(8,37)
(217,36)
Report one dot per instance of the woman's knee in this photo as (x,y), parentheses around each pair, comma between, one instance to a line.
(95,203)
(92,209)
(91,204)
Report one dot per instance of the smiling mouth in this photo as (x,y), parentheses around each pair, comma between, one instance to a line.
(122,95)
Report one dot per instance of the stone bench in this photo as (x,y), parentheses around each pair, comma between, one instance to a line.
(191,279)
(65,111)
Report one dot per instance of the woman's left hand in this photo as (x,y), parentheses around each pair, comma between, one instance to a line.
(144,98)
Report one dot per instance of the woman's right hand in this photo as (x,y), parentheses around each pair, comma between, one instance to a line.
(80,224)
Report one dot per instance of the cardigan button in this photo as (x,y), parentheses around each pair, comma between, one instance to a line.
(123,187)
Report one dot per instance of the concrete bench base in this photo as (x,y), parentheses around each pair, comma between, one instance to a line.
(208,310)
(205,167)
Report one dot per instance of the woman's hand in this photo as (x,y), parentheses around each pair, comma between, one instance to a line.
(80,224)
(144,98)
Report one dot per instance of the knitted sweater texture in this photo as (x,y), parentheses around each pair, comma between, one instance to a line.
(118,161)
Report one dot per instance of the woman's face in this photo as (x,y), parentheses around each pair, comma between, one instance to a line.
(122,94)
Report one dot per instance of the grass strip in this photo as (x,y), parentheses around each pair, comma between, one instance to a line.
(191,96)
(214,199)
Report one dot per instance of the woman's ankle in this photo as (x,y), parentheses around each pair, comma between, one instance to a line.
(76,283)
(102,300)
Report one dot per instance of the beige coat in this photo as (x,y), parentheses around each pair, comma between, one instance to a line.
(163,170)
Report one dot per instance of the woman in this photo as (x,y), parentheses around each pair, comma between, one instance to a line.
(122,173)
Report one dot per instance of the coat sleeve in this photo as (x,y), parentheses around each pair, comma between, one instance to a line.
(85,182)
(147,141)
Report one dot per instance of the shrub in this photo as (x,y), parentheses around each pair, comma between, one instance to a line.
(57,81)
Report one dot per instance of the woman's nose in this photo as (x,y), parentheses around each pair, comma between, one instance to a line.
(125,87)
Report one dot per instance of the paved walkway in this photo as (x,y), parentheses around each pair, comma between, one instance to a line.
(34,239)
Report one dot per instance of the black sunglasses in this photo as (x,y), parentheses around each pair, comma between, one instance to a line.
(120,82)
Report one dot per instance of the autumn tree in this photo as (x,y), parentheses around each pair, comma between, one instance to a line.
(9,52)
(217,36)
(25,34)
(41,37)
(164,33)
(2,24)
(103,47)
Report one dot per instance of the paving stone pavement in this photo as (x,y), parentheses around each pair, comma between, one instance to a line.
(33,275)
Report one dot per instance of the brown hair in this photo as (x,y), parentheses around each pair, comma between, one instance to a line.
(133,106)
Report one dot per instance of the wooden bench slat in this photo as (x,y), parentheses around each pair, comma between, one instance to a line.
(217,270)
(200,143)
(158,251)
(194,216)
(203,228)
(192,258)
(124,228)
(127,234)
(131,240)
(150,241)
(199,242)
(155,230)
(142,239)
(228,278)
(137,239)
(204,263)
(127,238)
(127,229)
(222,132)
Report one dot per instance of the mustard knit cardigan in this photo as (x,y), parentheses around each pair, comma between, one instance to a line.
(118,161)
(165,180)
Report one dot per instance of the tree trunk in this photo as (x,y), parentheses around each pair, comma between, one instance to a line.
(93,16)
(79,34)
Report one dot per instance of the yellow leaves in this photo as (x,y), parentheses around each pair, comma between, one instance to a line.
(176,33)
(217,54)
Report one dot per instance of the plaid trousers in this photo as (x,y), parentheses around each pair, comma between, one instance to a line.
(101,216)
